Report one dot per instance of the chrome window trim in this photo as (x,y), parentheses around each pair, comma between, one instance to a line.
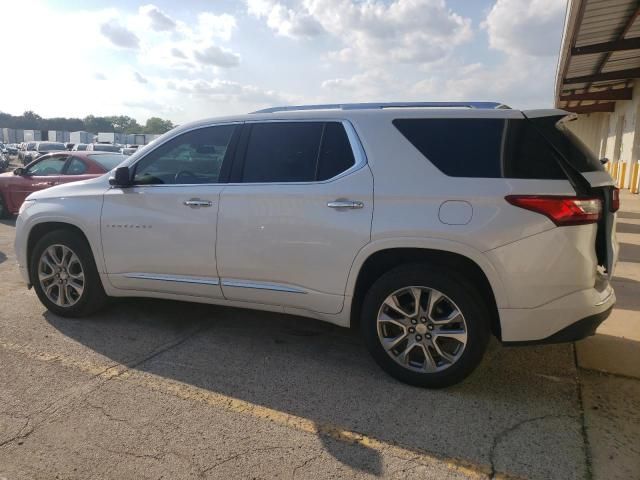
(359,154)
(173,278)
(278,287)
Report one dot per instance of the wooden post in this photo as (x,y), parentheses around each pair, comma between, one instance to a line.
(635,187)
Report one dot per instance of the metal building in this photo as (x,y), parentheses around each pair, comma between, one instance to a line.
(596,78)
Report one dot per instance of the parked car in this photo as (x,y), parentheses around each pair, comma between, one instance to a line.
(487,220)
(25,152)
(104,147)
(79,147)
(48,170)
(12,150)
(42,148)
(4,162)
(68,146)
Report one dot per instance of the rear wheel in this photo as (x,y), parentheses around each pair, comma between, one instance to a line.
(425,325)
(64,275)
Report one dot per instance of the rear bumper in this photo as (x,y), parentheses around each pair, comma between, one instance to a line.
(565,319)
(576,331)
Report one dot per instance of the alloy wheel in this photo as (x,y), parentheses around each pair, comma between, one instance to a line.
(61,275)
(422,329)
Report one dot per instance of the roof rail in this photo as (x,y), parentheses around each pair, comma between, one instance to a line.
(372,106)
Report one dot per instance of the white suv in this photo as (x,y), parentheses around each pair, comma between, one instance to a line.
(429,225)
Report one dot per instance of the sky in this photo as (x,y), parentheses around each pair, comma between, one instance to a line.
(191,59)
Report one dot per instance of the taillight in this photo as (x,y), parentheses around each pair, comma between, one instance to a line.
(615,199)
(561,210)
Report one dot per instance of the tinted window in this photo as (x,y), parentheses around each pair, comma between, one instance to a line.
(76,167)
(570,146)
(99,147)
(48,166)
(108,161)
(193,157)
(489,148)
(459,147)
(49,147)
(528,155)
(282,152)
(336,155)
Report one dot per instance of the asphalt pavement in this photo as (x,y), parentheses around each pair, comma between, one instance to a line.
(160,389)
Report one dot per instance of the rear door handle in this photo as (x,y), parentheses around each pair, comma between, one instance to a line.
(197,203)
(345,204)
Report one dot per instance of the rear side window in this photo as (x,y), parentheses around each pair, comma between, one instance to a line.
(483,148)
(296,152)
(459,147)
(336,155)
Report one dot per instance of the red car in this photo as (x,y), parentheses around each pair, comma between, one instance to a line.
(49,170)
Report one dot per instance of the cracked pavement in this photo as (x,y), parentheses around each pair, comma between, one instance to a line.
(158,389)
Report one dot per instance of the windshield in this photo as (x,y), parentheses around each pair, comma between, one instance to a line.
(99,147)
(50,146)
(108,160)
(555,129)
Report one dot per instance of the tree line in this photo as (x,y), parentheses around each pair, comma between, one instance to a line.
(30,120)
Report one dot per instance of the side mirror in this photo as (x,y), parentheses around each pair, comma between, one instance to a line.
(19,171)
(604,160)
(121,177)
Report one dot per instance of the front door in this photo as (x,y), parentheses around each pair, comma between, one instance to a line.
(292,222)
(41,174)
(160,234)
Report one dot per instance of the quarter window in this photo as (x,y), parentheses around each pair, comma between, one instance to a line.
(296,152)
(488,148)
(194,157)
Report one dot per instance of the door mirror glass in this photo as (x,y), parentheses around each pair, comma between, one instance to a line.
(121,177)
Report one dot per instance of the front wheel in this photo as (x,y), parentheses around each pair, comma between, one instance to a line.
(425,325)
(64,275)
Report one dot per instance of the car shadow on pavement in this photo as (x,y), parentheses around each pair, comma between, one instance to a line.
(323,373)
(629,252)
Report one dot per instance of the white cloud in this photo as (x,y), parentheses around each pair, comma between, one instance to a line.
(226,91)
(529,27)
(119,35)
(214,26)
(216,56)
(159,20)
(139,78)
(288,19)
(373,31)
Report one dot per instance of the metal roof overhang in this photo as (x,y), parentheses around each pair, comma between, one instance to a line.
(599,56)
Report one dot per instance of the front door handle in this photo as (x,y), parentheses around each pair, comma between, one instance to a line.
(345,204)
(197,203)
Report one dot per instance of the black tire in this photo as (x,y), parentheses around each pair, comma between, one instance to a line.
(456,288)
(4,212)
(93,297)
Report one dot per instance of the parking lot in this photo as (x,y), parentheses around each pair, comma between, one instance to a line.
(160,389)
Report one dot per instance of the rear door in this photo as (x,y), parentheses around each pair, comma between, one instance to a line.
(587,174)
(296,213)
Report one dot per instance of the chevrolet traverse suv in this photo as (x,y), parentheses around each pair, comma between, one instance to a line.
(430,226)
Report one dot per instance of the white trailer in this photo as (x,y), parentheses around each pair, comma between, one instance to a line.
(111,137)
(32,135)
(80,137)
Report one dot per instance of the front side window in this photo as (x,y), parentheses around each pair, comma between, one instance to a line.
(193,157)
(47,167)
(281,152)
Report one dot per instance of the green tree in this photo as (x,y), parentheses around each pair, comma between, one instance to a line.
(157,125)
